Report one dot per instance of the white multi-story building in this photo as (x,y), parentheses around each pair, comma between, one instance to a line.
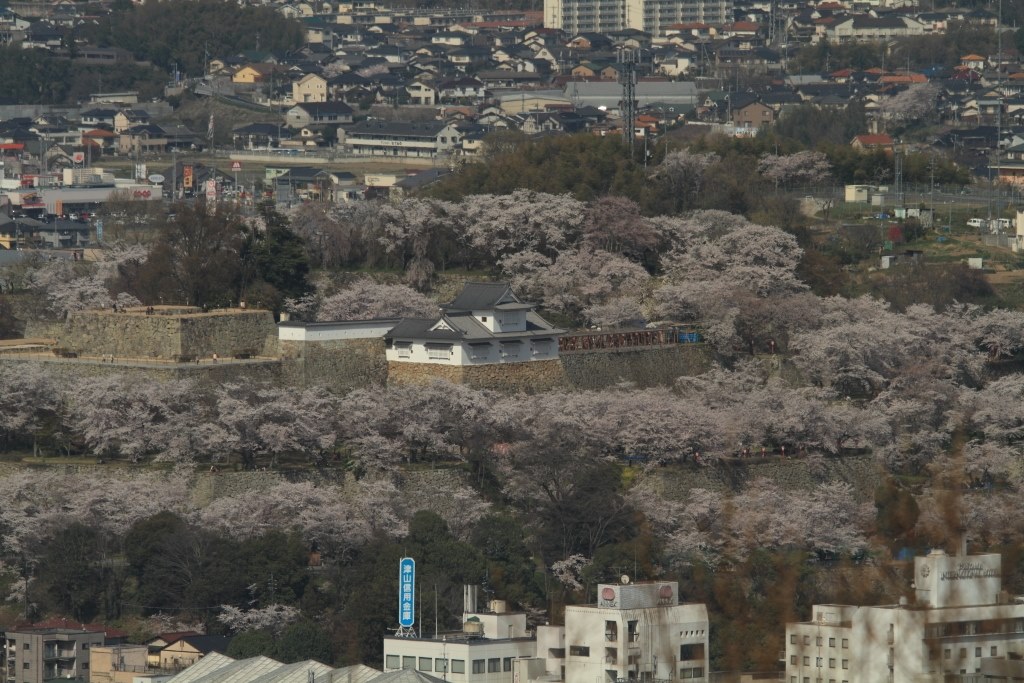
(652,16)
(959,624)
(635,633)
(483,652)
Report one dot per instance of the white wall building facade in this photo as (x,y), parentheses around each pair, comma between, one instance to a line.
(636,632)
(652,16)
(959,621)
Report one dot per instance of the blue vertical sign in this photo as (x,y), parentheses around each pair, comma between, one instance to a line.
(406,592)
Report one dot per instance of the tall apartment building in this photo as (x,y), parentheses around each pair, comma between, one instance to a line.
(652,16)
(37,655)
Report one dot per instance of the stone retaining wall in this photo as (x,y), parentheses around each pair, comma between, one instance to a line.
(534,376)
(860,471)
(644,367)
(166,337)
(340,365)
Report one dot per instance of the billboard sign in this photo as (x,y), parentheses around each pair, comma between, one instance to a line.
(186,173)
(406,592)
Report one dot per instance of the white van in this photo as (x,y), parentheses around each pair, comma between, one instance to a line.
(976,223)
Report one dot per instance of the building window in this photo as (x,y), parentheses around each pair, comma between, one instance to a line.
(792,639)
(26,665)
(510,350)
(995,651)
(441,666)
(494,665)
(807,661)
(689,652)
(26,646)
(947,653)
(483,318)
(392,662)
(404,350)
(831,663)
(792,659)
(846,643)
(579,651)
(439,352)
(831,642)
(85,666)
(479,666)
(846,663)
(479,351)
(817,662)
(408,662)
(506,664)
(426,664)
(458,666)
(85,646)
(977,652)
(963,653)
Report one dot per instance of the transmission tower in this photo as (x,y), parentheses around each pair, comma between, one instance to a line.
(627,77)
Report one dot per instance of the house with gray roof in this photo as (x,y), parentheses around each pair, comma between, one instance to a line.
(485,324)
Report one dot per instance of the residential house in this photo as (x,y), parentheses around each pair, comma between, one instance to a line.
(303,183)
(310,88)
(752,115)
(143,139)
(97,117)
(462,89)
(253,74)
(318,114)
(256,136)
(1010,166)
(126,118)
(865,143)
(160,641)
(188,650)
(421,93)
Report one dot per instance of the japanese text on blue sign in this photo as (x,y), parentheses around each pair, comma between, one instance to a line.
(406,591)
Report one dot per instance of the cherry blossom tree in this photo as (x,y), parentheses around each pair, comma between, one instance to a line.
(254,422)
(802,168)
(118,417)
(582,279)
(365,299)
(497,226)
(30,402)
(615,225)
(273,618)
(682,174)
(911,104)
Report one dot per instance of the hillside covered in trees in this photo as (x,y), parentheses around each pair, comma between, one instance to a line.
(536,497)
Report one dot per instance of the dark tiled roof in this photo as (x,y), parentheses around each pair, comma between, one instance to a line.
(478,296)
